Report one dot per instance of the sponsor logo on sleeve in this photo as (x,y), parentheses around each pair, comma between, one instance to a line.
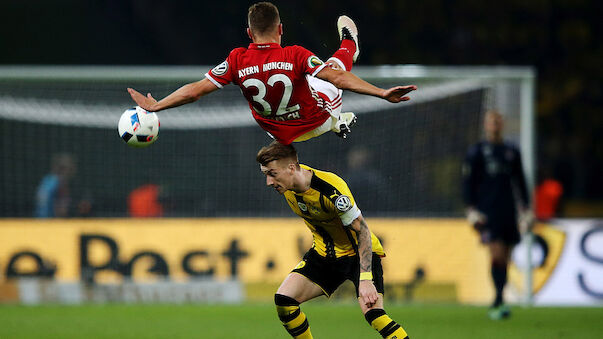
(300,265)
(302,206)
(314,61)
(220,69)
(343,203)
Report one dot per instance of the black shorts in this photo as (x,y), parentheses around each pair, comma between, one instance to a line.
(508,235)
(329,274)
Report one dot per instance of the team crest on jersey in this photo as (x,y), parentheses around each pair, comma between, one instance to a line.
(314,61)
(300,265)
(302,206)
(343,203)
(220,69)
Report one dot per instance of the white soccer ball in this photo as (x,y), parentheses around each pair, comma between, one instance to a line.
(138,128)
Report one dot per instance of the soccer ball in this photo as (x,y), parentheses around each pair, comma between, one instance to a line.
(138,128)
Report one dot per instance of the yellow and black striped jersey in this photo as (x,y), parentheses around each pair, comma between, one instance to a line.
(328,209)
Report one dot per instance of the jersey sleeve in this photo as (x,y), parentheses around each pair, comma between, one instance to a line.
(307,61)
(223,74)
(342,202)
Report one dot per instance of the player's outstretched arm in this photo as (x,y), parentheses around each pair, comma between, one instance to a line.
(398,93)
(183,95)
(366,289)
(349,81)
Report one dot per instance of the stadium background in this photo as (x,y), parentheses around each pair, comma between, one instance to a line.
(211,173)
(559,38)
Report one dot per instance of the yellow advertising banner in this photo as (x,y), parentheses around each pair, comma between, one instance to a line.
(252,250)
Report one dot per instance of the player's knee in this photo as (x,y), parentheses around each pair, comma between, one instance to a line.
(499,262)
(283,300)
(499,258)
(373,314)
(287,308)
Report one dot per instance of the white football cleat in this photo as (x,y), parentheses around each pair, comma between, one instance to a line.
(347,30)
(344,123)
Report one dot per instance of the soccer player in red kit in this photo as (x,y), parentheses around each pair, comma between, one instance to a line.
(292,94)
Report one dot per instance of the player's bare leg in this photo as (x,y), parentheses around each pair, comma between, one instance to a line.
(299,288)
(342,59)
(499,255)
(295,290)
(381,322)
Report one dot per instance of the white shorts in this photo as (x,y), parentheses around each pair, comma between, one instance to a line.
(335,97)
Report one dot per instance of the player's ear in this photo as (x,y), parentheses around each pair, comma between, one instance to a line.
(292,167)
(249,33)
(280,29)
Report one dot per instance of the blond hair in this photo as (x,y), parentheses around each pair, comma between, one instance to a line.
(276,151)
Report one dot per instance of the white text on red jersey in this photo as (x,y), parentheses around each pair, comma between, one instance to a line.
(287,66)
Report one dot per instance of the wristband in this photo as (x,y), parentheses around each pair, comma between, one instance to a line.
(366,276)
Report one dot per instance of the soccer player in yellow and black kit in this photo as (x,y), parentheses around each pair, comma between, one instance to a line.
(343,248)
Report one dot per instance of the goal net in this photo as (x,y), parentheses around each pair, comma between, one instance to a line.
(400,160)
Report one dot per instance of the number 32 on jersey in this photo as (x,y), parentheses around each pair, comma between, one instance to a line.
(259,99)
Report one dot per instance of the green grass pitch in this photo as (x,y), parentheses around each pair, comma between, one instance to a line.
(328,320)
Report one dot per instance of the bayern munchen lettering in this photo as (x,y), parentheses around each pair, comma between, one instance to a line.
(286,66)
(249,70)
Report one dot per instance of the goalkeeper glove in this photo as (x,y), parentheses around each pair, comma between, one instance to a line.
(476,218)
(526,220)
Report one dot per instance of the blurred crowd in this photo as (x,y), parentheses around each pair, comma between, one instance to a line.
(561,39)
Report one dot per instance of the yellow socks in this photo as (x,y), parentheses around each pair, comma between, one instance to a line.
(293,319)
(383,324)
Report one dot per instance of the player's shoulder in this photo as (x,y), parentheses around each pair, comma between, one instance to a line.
(324,175)
(327,182)
(475,149)
(231,61)
(289,195)
(237,51)
(298,51)
(296,48)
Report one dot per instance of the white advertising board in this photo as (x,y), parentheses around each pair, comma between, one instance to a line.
(577,275)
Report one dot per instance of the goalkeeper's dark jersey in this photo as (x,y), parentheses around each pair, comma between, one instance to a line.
(328,208)
(492,178)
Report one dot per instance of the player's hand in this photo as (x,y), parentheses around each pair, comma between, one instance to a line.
(367,293)
(476,218)
(526,220)
(148,103)
(398,93)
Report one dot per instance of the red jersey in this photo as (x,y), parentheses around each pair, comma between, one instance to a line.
(273,80)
